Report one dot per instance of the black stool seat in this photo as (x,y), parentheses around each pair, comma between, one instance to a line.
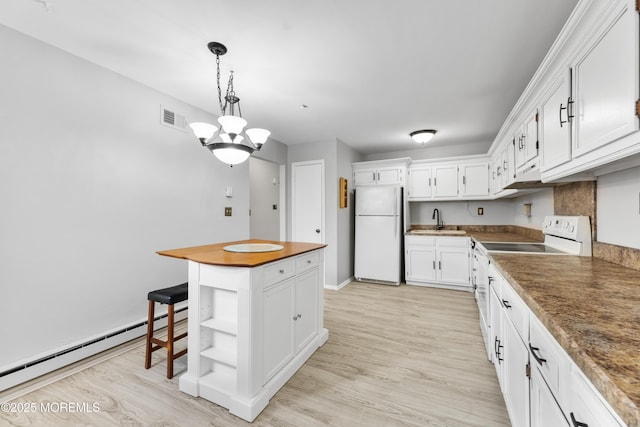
(170,295)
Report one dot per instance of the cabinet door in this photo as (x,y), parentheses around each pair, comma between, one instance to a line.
(509,163)
(545,411)
(306,307)
(530,138)
(474,179)
(391,175)
(445,181)
(495,326)
(516,381)
(419,182)
(521,154)
(278,346)
(364,176)
(586,404)
(421,263)
(556,125)
(606,84)
(453,265)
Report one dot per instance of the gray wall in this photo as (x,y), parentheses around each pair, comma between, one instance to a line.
(92,185)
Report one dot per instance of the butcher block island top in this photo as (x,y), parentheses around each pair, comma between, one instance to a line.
(215,254)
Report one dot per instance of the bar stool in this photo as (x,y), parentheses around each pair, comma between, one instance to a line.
(169,296)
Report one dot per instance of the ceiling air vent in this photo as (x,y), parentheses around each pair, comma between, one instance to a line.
(172,119)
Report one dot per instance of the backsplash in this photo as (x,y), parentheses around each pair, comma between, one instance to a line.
(579,198)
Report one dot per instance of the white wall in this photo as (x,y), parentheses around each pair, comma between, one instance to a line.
(346,219)
(91,186)
(541,206)
(618,208)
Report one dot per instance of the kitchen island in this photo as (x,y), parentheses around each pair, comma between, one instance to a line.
(254,319)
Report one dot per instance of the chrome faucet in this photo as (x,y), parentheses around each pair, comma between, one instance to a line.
(436,216)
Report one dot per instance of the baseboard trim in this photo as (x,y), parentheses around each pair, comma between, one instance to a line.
(340,285)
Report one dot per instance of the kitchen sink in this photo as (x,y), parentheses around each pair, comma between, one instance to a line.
(436,232)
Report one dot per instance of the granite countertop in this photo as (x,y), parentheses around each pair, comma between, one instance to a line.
(592,308)
(216,255)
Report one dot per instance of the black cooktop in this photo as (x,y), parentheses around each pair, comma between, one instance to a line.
(520,247)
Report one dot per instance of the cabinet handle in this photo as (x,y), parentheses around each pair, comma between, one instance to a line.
(504,165)
(497,349)
(434,265)
(524,138)
(499,170)
(569,112)
(295,317)
(281,271)
(506,303)
(434,182)
(577,423)
(299,316)
(308,261)
(539,359)
(464,180)
(491,279)
(560,113)
(378,176)
(439,265)
(494,174)
(429,182)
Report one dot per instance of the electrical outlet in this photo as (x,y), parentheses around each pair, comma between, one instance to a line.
(480,211)
(227,211)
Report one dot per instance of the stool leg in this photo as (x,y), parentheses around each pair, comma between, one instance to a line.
(147,359)
(170,324)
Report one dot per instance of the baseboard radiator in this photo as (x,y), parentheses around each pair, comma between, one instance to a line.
(42,365)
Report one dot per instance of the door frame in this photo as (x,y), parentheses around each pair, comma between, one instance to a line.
(294,165)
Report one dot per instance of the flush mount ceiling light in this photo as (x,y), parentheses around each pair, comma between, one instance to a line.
(229,142)
(422,136)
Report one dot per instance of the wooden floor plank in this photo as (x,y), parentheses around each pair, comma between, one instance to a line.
(396,356)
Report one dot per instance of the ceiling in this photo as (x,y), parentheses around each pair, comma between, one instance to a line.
(369,71)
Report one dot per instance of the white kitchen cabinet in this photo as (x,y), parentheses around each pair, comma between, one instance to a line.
(252,328)
(381,172)
(526,141)
(586,406)
(290,320)
(439,181)
(438,261)
(556,123)
(545,411)
(515,373)
(495,326)
(420,182)
(473,179)
(606,81)
(445,181)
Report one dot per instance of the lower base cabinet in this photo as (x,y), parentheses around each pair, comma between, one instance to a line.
(541,385)
(438,261)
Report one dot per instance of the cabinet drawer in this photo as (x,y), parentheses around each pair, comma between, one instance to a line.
(279,271)
(587,405)
(419,241)
(306,262)
(548,356)
(516,310)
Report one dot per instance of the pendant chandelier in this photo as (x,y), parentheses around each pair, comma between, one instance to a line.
(229,142)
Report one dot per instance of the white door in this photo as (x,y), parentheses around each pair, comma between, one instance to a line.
(307,201)
(264,201)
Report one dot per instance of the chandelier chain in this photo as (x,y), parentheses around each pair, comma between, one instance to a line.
(219,89)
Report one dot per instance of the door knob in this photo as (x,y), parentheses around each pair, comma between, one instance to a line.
(318,230)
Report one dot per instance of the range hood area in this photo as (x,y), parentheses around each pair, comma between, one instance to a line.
(530,178)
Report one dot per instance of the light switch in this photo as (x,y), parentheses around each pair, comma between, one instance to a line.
(228,192)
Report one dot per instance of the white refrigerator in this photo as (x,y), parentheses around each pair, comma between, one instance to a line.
(378,245)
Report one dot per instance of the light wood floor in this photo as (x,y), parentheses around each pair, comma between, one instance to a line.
(396,356)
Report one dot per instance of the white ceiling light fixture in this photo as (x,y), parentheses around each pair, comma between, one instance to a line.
(226,141)
(422,136)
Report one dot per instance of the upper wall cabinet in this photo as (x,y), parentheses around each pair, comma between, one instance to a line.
(448,181)
(556,125)
(606,82)
(590,108)
(383,172)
